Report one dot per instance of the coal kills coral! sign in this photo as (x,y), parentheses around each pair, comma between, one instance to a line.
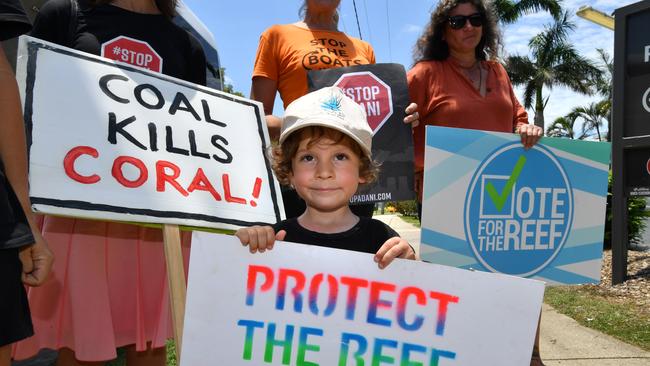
(110,141)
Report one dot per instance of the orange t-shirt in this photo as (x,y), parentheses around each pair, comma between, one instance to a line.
(286,52)
(446,97)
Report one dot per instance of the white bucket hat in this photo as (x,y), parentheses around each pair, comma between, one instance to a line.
(328,107)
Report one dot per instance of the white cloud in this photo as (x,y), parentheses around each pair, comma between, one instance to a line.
(412,28)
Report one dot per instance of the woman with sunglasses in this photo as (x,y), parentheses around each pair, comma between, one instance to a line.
(457,81)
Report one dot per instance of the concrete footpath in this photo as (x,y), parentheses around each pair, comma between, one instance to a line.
(562,340)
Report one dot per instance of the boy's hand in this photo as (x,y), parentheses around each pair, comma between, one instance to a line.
(259,238)
(395,247)
(37,261)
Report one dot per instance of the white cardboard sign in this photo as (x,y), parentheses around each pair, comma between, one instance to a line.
(309,305)
(113,141)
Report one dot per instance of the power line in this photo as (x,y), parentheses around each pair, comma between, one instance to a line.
(365,8)
(357,16)
(390,47)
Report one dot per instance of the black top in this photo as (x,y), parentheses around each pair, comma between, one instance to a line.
(14,230)
(367,236)
(13,21)
(97,28)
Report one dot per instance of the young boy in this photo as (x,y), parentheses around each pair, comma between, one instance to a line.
(325,153)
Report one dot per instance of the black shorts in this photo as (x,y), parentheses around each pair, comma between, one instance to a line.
(15,319)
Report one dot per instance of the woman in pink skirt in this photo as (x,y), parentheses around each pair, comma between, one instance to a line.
(109,285)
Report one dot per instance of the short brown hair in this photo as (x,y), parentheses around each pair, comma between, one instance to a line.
(283,154)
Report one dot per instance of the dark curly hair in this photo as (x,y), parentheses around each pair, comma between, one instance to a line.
(283,154)
(166,7)
(431,46)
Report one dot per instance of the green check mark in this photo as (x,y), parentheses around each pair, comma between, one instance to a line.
(500,199)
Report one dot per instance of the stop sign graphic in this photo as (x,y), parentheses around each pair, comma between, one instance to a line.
(133,52)
(371,93)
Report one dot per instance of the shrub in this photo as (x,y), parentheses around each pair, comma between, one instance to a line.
(636,218)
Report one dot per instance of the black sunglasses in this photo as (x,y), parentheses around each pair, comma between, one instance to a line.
(459,21)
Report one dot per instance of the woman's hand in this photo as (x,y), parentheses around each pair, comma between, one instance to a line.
(412,115)
(37,261)
(394,247)
(259,238)
(530,134)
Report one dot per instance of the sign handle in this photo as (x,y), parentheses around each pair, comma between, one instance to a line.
(176,281)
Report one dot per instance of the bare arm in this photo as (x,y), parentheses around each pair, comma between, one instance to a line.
(264,90)
(37,259)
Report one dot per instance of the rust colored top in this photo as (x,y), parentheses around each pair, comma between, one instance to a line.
(446,97)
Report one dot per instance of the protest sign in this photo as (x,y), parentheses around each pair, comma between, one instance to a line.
(112,141)
(381,89)
(489,204)
(308,305)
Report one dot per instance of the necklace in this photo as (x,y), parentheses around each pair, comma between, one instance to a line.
(475,74)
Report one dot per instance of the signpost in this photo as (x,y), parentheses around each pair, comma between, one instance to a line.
(308,305)
(631,123)
(115,142)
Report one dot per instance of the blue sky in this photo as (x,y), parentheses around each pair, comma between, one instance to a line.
(391,27)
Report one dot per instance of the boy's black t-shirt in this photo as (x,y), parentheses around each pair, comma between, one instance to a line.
(126,36)
(14,230)
(367,236)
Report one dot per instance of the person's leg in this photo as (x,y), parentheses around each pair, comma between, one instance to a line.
(15,319)
(66,358)
(150,357)
(536,358)
(5,355)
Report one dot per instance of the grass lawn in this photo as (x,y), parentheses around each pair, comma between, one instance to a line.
(411,220)
(625,321)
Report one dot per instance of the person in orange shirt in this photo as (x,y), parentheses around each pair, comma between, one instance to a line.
(457,82)
(284,56)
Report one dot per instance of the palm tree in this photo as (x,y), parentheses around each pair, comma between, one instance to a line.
(510,11)
(603,85)
(594,115)
(554,62)
(562,127)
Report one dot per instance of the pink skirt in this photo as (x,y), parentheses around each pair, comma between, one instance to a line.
(108,289)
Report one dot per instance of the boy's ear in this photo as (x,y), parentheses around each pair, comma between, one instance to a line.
(362,180)
(290,177)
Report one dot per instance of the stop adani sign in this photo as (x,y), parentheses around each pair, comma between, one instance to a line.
(371,93)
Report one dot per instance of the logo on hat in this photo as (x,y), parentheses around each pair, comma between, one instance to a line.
(333,103)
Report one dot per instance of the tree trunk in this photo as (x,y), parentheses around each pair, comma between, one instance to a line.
(539,108)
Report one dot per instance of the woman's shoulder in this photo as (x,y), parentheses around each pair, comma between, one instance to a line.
(496,66)
(278,29)
(55,7)
(427,69)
